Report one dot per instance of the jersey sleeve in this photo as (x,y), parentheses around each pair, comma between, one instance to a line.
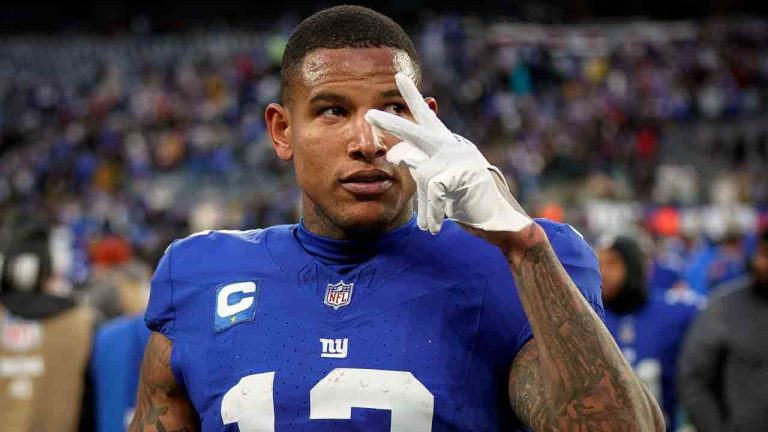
(160,315)
(580,262)
(504,319)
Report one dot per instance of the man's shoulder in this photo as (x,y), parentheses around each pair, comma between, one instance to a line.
(454,246)
(219,249)
(569,244)
(209,258)
(733,292)
(204,240)
(671,312)
(684,296)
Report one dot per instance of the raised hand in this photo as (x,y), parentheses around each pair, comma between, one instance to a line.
(453,178)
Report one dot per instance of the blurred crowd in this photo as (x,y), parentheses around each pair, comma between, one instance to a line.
(153,137)
(121,144)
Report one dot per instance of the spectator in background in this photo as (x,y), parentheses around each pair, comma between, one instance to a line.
(115,366)
(717,262)
(648,330)
(724,367)
(44,340)
(119,283)
(135,132)
(118,291)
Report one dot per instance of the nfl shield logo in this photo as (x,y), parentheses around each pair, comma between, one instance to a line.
(338,294)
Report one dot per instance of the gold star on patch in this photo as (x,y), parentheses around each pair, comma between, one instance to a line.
(233,319)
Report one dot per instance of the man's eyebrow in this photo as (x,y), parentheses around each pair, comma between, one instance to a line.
(329,98)
(388,94)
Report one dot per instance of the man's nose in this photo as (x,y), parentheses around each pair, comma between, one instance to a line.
(364,145)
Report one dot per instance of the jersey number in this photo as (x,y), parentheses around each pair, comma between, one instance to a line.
(250,402)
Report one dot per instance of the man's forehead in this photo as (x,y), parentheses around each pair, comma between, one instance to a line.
(325,65)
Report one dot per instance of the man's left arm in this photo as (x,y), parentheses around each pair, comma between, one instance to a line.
(571,375)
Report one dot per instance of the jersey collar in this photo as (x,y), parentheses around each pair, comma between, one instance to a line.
(343,256)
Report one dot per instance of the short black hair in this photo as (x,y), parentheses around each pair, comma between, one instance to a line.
(343,27)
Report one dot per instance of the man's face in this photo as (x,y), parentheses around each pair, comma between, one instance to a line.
(339,160)
(613,270)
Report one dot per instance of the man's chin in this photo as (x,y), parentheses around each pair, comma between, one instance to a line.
(371,217)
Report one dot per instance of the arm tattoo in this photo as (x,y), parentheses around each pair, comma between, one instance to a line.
(161,405)
(572,376)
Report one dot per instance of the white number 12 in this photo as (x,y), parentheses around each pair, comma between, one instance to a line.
(250,402)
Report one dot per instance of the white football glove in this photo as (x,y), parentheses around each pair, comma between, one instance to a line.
(452,177)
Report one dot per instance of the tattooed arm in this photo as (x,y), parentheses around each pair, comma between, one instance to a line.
(580,381)
(161,405)
(571,376)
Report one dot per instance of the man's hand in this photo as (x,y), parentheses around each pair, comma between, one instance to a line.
(453,178)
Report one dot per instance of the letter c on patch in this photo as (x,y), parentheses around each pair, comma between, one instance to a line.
(225,309)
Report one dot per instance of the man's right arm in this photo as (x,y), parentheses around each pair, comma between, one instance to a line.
(161,405)
(699,371)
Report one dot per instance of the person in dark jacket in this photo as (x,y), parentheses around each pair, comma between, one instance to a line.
(724,367)
(648,330)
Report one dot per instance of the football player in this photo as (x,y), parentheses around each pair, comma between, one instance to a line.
(468,316)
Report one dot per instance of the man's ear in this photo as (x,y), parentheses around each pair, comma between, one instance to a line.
(278,124)
(431,103)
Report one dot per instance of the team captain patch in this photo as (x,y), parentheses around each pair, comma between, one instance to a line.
(235,304)
(338,294)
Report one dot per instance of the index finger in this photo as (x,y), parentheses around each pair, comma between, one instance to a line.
(404,129)
(415,101)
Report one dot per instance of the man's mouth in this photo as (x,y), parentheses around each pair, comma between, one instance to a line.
(367,182)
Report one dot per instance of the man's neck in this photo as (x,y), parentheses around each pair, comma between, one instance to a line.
(317,222)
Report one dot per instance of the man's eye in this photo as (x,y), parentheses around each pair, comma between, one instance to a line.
(332,112)
(395,108)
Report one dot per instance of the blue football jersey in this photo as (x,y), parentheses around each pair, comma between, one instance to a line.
(115,363)
(650,339)
(419,337)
